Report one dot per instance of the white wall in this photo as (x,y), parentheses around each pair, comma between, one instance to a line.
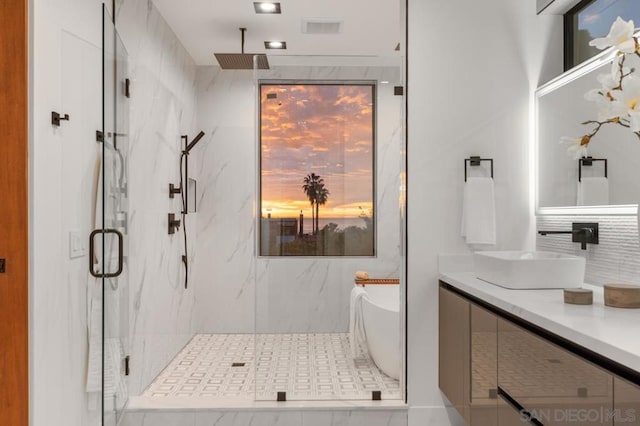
(63,164)
(66,61)
(472,69)
(279,294)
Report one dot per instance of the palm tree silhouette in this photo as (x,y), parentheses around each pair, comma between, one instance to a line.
(322,195)
(310,187)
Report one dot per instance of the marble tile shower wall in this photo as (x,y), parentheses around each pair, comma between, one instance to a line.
(238,292)
(615,259)
(163,105)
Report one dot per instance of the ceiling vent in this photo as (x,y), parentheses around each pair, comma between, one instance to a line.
(321,26)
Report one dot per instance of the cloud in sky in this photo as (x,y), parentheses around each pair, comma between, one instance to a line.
(321,129)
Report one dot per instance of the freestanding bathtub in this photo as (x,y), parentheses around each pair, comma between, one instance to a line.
(381,314)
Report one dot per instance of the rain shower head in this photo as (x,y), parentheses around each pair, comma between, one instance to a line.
(242,61)
(194,142)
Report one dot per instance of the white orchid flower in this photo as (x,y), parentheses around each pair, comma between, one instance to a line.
(594,95)
(607,108)
(628,99)
(608,81)
(576,147)
(620,36)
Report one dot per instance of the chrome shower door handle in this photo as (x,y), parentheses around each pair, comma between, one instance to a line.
(92,253)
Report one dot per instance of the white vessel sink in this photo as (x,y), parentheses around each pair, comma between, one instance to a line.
(529,269)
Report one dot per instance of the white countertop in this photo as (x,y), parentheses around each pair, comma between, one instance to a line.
(611,332)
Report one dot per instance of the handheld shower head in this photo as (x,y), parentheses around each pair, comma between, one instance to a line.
(194,142)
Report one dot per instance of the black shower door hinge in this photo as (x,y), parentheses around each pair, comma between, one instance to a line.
(127,369)
(99,136)
(127,87)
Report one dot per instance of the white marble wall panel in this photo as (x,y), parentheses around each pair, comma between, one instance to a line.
(284,294)
(615,259)
(268,418)
(163,106)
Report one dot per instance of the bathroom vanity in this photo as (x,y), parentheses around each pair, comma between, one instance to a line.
(513,357)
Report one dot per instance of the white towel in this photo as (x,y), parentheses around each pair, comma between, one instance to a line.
(357,334)
(593,191)
(479,211)
(105,364)
(94,299)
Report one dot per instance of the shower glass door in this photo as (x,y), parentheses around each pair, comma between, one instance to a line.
(110,241)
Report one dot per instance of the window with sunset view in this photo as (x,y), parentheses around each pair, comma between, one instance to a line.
(317,169)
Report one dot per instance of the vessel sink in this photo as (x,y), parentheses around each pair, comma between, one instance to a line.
(529,269)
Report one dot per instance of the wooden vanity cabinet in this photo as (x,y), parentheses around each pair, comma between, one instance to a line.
(491,368)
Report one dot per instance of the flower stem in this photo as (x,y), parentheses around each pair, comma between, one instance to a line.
(599,125)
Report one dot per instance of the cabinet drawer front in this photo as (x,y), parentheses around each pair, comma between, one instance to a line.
(484,367)
(453,347)
(556,386)
(626,402)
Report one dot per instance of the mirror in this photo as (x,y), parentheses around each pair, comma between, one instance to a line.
(562,180)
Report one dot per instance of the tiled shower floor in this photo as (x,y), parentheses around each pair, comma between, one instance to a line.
(305,366)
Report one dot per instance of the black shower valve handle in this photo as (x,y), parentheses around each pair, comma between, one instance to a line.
(174,224)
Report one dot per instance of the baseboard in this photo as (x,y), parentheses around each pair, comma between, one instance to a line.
(354,417)
(434,416)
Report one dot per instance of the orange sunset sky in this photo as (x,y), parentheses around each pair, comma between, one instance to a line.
(324,129)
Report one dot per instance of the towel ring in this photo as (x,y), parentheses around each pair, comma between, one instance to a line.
(475,161)
(588,162)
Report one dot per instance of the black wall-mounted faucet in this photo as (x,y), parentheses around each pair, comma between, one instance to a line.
(581,232)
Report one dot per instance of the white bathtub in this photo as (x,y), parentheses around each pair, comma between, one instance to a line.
(381,313)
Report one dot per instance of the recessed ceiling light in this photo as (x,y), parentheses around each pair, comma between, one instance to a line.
(266,7)
(275,44)
(384,81)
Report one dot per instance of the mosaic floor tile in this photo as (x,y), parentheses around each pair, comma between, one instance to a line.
(305,366)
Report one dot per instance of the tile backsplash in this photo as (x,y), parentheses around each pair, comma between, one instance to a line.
(615,259)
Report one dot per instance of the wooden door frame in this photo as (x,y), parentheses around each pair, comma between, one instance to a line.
(14,219)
